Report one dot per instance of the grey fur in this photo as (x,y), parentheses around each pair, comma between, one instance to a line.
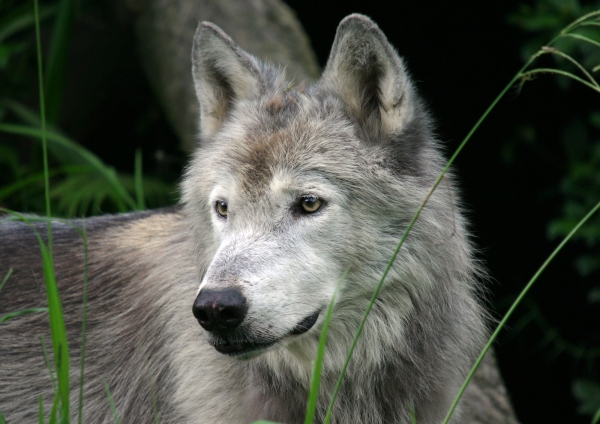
(360,140)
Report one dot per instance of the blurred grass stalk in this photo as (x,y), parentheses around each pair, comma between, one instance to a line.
(57,325)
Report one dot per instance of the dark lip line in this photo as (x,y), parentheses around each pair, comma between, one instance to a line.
(306,324)
(236,349)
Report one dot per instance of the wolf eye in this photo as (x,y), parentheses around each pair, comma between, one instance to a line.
(310,204)
(221,208)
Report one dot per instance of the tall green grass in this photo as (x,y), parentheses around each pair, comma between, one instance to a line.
(58,330)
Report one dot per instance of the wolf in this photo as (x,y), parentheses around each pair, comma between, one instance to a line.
(211,312)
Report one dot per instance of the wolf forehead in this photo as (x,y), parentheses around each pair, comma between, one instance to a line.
(289,132)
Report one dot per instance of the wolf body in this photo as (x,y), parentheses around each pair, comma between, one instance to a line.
(211,312)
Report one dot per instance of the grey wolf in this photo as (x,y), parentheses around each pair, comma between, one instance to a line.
(211,312)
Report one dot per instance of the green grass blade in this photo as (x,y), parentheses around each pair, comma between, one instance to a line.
(413,415)
(52,419)
(583,38)
(535,71)
(57,324)
(138,181)
(24,113)
(47,361)
(42,115)
(596,418)
(313,395)
(591,23)
(58,331)
(22,19)
(515,304)
(584,71)
(5,278)
(41,410)
(112,404)
(2,419)
(9,189)
(20,313)
(58,58)
(580,21)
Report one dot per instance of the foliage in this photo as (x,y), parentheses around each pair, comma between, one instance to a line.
(588,394)
(580,186)
(545,16)
(82,184)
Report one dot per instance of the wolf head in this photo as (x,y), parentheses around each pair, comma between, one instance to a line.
(291,186)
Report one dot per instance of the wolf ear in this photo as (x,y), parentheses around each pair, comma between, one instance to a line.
(223,74)
(369,76)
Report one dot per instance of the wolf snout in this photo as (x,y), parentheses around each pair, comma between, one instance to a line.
(220,310)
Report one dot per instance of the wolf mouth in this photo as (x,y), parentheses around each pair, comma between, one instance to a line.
(233,349)
(243,347)
(306,324)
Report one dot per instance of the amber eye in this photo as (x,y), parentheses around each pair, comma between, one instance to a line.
(221,208)
(310,204)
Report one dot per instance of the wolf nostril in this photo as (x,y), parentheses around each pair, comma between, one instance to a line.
(231,313)
(220,310)
(200,314)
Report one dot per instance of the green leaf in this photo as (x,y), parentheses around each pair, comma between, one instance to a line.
(594,118)
(594,295)
(56,71)
(112,404)
(71,154)
(35,179)
(587,264)
(9,156)
(7,50)
(58,330)
(11,315)
(318,365)
(41,410)
(21,19)
(5,278)
(588,394)
(596,418)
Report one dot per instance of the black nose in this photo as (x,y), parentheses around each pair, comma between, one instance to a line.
(220,310)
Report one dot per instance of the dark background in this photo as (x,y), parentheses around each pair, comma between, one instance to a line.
(460,54)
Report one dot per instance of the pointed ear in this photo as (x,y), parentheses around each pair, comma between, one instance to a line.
(223,74)
(369,76)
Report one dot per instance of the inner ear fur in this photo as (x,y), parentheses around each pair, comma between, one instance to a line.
(369,76)
(223,74)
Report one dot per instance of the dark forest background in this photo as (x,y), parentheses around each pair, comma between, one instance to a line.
(527,176)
